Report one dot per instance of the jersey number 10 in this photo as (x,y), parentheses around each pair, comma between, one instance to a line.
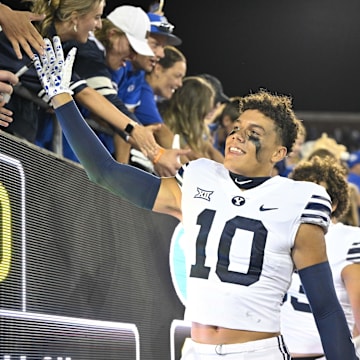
(199,270)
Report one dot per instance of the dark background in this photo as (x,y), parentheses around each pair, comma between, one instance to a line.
(309,49)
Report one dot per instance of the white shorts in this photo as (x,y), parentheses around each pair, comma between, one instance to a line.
(270,349)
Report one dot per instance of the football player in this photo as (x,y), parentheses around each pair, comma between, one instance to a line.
(245,229)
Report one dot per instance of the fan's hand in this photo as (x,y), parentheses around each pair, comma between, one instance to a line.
(53,71)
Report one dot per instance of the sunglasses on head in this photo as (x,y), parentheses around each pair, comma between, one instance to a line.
(163,26)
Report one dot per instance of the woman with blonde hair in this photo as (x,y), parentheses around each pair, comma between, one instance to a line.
(185,115)
(72,20)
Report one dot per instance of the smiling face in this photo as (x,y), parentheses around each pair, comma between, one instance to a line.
(253,147)
(167,81)
(88,22)
(119,51)
(147,63)
(75,24)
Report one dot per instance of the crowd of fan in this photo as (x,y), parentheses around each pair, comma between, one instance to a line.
(128,66)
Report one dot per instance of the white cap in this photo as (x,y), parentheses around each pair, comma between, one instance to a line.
(134,22)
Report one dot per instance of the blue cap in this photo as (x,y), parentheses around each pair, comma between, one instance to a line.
(161,26)
(354,158)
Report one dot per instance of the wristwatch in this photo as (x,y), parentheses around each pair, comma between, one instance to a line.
(129,128)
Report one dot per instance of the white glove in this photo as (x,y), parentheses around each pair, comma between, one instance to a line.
(138,157)
(55,73)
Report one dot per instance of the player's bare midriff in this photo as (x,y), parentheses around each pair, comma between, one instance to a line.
(208,334)
(294,356)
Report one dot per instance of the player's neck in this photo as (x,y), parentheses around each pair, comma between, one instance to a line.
(245,182)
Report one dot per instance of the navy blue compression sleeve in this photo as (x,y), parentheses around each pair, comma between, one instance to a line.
(132,184)
(330,319)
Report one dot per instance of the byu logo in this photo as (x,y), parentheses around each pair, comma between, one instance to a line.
(203,194)
(238,200)
(131,88)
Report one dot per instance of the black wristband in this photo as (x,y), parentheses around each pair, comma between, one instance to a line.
(129,128)
(125,136)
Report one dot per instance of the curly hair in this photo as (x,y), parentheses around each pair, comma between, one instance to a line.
(279,109)
(327,172)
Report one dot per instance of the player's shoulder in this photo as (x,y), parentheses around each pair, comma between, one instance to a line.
(206,165)
(201,168)
(309,198)
(307,186)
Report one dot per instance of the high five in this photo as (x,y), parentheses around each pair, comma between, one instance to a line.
(245,230)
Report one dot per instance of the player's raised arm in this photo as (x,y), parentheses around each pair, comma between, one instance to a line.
(141,188)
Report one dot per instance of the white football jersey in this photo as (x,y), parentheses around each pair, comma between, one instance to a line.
(239,244)
(297,322)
